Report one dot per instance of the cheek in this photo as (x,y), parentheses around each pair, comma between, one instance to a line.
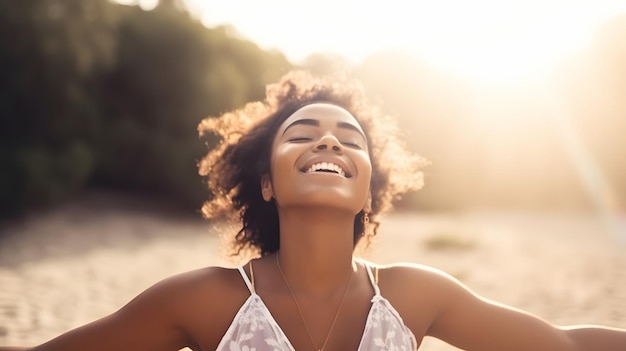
(365,166)
(281,161)
(365,175)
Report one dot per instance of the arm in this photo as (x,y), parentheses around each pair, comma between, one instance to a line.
(473,323)
(148,322)
(597,337)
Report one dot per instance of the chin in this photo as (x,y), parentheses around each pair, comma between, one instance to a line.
(332,201)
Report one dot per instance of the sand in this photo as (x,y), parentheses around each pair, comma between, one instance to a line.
(81,261)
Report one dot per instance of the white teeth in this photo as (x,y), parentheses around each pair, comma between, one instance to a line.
(326,166)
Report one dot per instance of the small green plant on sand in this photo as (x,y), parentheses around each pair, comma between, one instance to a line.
(446,241)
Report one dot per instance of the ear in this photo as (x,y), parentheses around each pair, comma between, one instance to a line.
(368,203)
(267,191)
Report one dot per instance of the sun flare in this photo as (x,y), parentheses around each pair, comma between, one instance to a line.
(495,42)
(484,40)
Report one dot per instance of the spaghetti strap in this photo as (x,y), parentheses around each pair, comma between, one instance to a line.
(249,284)
(373,280)
(254,327)
(251,274)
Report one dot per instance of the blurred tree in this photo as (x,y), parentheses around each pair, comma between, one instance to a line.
(97,93)
(172,4)
(48,51)
(171,72)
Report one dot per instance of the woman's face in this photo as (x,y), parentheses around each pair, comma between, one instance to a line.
(320,158)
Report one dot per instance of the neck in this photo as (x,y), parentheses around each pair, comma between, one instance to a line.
(316,248)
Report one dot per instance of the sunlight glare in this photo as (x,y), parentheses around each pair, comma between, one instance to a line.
(485,40)
(498,42)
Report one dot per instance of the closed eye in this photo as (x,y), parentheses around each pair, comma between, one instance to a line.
(351,145)
(299,140)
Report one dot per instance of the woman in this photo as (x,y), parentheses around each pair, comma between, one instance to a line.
(308,172)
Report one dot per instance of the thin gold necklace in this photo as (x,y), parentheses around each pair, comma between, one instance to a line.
(306,326)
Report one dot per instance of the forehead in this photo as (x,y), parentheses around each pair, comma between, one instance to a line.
(324,113)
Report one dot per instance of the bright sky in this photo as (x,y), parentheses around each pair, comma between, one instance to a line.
(490,39)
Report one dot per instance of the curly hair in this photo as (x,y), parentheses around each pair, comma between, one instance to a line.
(233,169)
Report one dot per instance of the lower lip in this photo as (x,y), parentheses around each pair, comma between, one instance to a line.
(326,173)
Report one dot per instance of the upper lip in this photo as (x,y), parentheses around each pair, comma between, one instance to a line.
(331,160)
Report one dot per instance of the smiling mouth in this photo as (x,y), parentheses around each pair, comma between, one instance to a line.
(326,167)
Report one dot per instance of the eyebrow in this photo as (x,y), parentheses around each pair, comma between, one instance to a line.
(304,121)
(316,123)
(351,126)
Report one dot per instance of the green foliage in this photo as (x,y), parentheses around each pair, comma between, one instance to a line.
(172,72)
(99,94)
(39,175)
(48,51)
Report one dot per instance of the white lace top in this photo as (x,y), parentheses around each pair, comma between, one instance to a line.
(254,328)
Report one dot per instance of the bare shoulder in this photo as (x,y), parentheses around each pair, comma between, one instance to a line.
(213,296)
(186,310)
(209,282)
(201,298)
(414,276)
(206,283)
(418,292)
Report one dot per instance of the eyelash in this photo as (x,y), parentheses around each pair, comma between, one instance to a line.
(351,145)
(304,139)
(296,140)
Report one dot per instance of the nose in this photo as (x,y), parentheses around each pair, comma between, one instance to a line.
(328,142)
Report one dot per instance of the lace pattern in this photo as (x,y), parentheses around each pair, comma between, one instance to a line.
(385,330)
(255,329)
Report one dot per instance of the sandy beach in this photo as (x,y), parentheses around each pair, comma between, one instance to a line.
(81,261)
